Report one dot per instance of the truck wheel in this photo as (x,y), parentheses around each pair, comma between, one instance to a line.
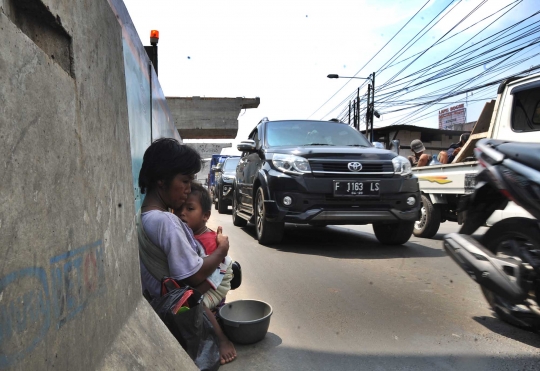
(267,232)
(221,205)
(430,219)
(236,220)
(393,233)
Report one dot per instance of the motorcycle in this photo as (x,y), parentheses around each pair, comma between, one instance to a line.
(506,261)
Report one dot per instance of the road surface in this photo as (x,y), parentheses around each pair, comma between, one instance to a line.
(342,301)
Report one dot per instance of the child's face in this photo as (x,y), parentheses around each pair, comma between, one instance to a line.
(192,214)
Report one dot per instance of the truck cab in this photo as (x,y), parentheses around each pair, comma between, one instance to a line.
(515,117)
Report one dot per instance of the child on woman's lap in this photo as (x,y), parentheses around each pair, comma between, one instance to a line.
(195,212)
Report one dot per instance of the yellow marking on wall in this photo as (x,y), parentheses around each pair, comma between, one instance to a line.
(435,179)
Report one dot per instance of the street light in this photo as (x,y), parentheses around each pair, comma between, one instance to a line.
(370,111)
(333,76)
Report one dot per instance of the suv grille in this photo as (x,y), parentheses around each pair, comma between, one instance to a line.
(329,168)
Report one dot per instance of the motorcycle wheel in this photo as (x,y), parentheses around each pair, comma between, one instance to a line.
(525,232)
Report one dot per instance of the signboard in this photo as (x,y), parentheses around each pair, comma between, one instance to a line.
(448,117)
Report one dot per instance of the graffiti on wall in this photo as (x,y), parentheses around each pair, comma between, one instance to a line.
(35,299)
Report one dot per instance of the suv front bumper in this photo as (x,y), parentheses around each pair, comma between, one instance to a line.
(322,207)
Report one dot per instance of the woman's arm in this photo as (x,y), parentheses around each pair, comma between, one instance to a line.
(211,262)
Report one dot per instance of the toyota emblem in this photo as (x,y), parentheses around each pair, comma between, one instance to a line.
(354,166)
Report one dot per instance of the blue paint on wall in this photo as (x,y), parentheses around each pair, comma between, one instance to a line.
(76,277)
(24,316)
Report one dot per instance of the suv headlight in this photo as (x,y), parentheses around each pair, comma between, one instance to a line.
(291,164)
(402,166)
(228,178)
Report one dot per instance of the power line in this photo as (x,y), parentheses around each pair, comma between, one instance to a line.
(370,59)
(465,29)
(493,48)
(500,48)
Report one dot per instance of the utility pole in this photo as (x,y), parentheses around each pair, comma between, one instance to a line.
(356,113)
(372,111)
(368,108)
(358,108)
(349,113)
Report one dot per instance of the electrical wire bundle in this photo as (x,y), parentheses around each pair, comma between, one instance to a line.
(415,89)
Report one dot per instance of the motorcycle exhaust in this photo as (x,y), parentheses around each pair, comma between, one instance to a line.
(499,275)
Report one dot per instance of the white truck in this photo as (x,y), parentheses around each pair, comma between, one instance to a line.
(513,116)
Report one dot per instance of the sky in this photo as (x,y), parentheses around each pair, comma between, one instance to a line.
(282,51)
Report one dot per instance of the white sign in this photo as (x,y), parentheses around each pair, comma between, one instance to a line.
(448,117)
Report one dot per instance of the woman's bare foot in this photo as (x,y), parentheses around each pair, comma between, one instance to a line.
(226,349)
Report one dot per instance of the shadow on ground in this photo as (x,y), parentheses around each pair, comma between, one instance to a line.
(504,329)
(343,243)
(270,354)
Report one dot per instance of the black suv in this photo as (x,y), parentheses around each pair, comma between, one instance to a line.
(321,173)
(224,184)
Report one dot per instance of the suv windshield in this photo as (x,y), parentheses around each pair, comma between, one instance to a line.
(305,133)
(230,164)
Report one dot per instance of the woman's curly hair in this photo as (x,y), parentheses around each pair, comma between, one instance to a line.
(164,159)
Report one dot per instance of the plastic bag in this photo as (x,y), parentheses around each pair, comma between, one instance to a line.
(191,328)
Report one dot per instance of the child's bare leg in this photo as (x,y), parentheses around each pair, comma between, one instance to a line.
(226,347)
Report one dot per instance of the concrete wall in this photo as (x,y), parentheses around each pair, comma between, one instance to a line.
(208,118)
(69,274)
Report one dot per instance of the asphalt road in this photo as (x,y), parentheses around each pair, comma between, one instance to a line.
(342,301)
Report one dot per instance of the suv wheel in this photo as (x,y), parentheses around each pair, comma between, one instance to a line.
(236,220)
(393,233)
(267,232)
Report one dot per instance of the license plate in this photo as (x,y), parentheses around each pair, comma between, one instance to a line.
(352,188)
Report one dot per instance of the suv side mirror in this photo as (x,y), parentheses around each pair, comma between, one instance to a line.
(395,146)
(246,146)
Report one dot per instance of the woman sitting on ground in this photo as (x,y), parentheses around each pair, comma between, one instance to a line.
(166,244)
